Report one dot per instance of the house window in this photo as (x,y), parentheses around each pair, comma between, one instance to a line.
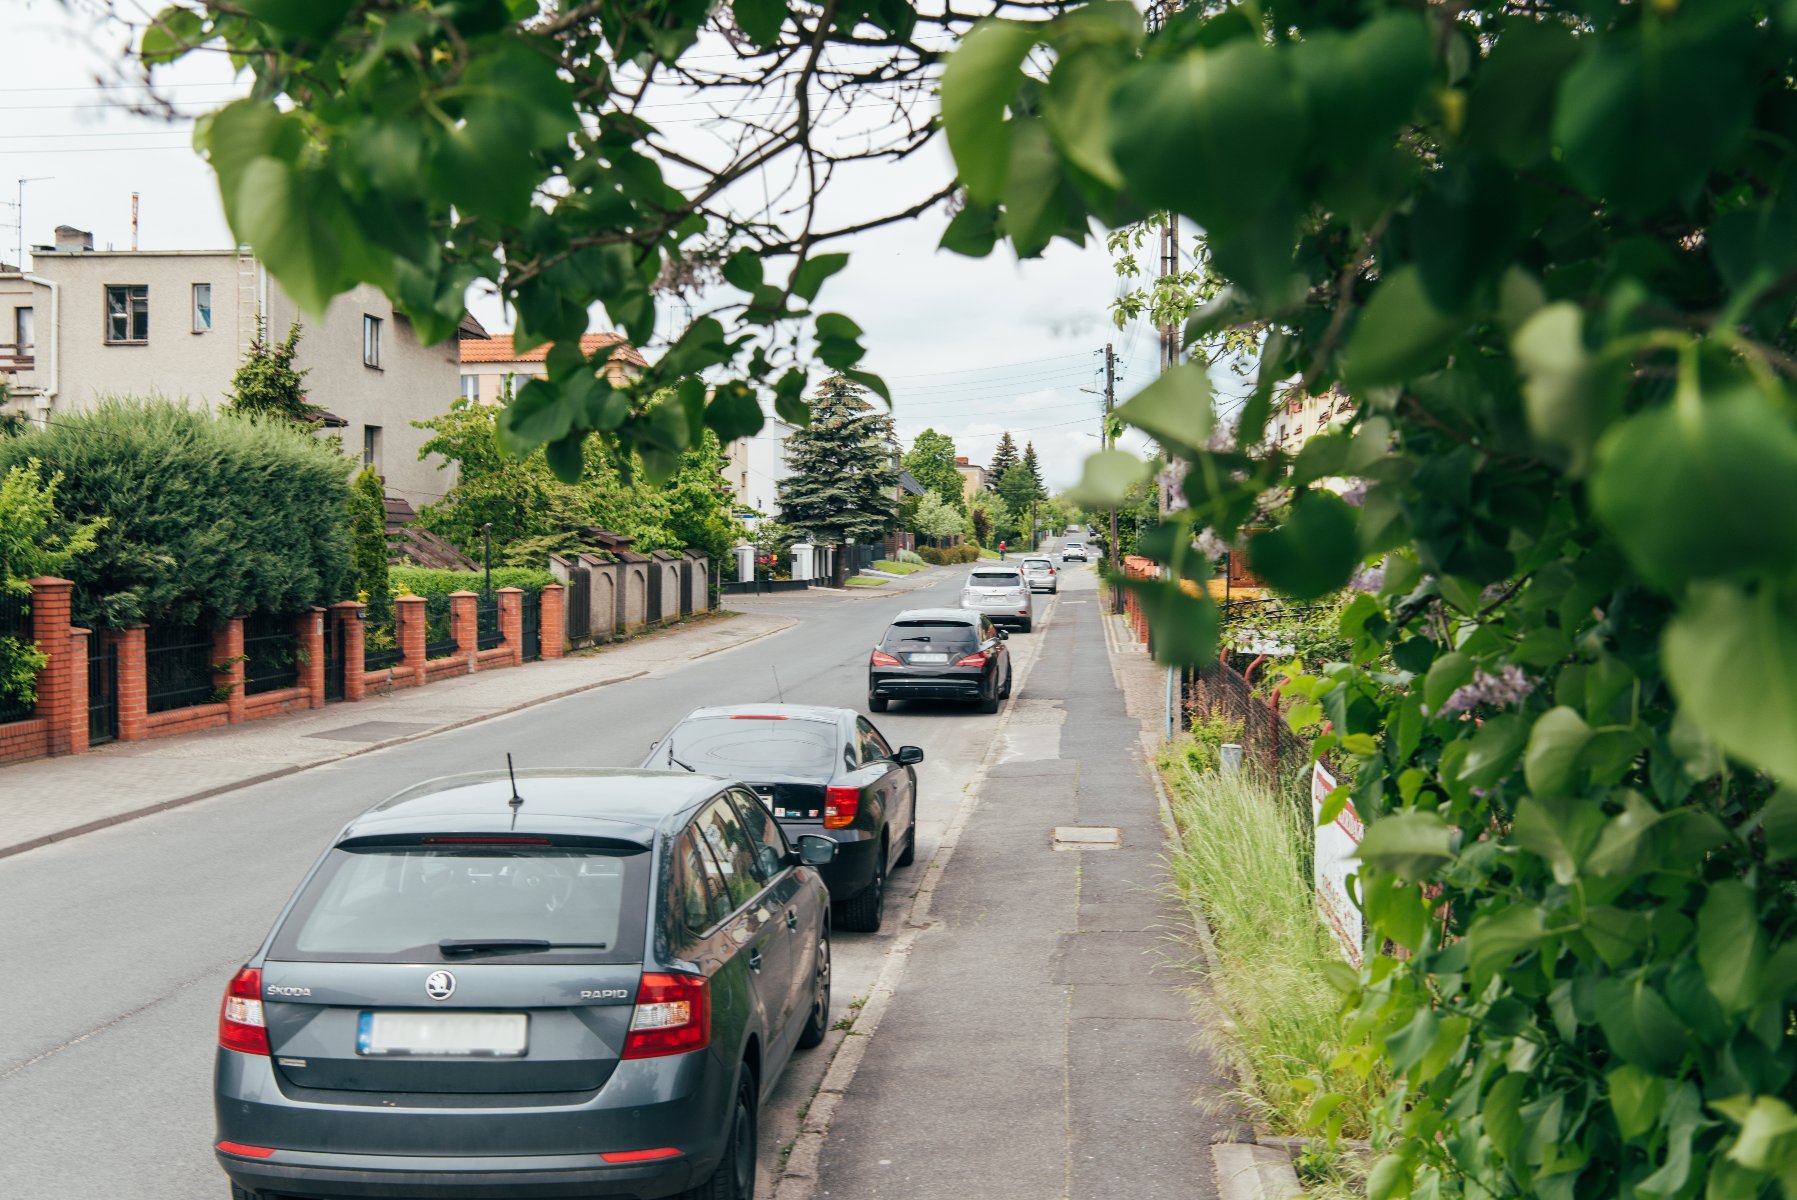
(371,341)
(127,313)
(202,307)
(371,447)
(22,339)
(471,388)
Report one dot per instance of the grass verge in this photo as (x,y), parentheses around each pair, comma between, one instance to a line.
(1244,863)
(859,581)
(898,568)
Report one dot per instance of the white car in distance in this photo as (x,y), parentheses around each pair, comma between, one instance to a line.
(1002,594)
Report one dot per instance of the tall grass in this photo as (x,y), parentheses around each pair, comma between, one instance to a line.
(1244,861)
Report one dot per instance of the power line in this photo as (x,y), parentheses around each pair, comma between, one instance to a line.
(994,367)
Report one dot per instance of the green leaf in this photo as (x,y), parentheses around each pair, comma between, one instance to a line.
(1559,830)
(567,457)
(870,381)
(1214,134)
(760,19)
(1035,197)
(1731,946)
(307,18)
(1554,745)
(1106,479)
(1511,102)
(1174,410)
(1628,838)
(1732,661)
(972,232)
(1778,823)
(1768,1138)
(789,398)
(809,275)
(1640,120)
(1492,752)
(1501,1111)
(1314,552)
(1361,86)
(1567,402)
(171,33)
(536,416)
(1389,1178)
(1399,335)
(296,221)
(1495,941)
(1182,625)
(743,269)
(1074,107)
(1687,488)
(1410,844)
(1447,675)
(978,82)
(1635,1099)
(1639,1026)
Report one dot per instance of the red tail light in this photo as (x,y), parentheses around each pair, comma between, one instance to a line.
(840,806)
(883,659)
(240,1023)
(243,1151)
(673,1015)
(636,1156)
(976,659)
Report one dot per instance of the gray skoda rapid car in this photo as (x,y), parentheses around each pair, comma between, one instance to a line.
(583,987)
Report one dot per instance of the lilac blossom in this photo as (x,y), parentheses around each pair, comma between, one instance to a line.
(1507,687)
(1368,579)
(1355,493)
(1210,545)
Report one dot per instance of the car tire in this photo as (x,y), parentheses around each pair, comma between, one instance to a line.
(238,1193)
(865,911)
(989,704)
(1006,693)
(877,703)
(734,1178)
(818,1024)
(909,854)
(1028,626)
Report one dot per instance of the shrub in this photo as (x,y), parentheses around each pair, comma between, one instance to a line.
(909,556)
(368,546)
(207,517)
(429,581)
(966,552)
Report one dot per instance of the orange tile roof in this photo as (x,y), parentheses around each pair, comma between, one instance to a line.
(499,349)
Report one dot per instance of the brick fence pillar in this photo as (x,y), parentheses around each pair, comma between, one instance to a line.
(511,622)
(552,621)
(75,713)
(50,598)
(227,666)
(464,625)
(351,640)
(133,697)
(308,633)
(408,631)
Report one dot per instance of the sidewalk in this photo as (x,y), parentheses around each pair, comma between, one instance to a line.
(46,800)
(1039,1043)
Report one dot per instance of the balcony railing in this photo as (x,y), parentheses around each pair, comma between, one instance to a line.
(17,358)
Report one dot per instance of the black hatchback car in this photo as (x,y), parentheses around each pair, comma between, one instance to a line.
(821,771)
(581,988)
(940,654)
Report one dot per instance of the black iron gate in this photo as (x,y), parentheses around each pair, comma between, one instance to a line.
(580,607)
(531,625)
(656,611)
(686,588)
(102,689)
(333,656)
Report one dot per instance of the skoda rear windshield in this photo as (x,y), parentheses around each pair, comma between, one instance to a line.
(471,903)
(754,747)
(921,637)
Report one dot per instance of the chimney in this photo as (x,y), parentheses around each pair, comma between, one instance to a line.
(961,460)
(70,238)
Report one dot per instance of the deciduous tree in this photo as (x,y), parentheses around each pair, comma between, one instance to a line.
(931,462)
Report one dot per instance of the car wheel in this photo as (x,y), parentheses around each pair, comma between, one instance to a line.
(1028,626)
(865,910)
(1006,693)
(819,1022)
(734,1178)
(877,703)
(910,853)
(989,704)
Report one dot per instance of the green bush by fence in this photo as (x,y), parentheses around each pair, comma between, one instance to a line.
(939,556)
(208,517)
(429,581)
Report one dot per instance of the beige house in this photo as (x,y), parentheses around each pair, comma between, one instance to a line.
(973,478)
(1299,418)
(491,364)
(110,322)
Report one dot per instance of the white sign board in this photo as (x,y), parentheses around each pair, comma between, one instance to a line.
(1337,843)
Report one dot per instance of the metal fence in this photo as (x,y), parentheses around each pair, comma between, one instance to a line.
(178,667)
(439,631)
(271,654)
(487,632)
(102,689)
(380,639)
(531,623)
(580,607)
(1219,691)
(15,623)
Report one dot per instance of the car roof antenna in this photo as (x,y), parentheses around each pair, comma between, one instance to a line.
(778,691)
(517,801)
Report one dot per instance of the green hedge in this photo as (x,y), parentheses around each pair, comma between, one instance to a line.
(428,581)
(939,556)
(207,517)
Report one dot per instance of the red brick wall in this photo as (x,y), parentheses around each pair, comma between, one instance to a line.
(464,628)
(55,684)
(348,613)
(181,720)
(133,698)
(227,660)
(553,621)
(408,626)
(24,739)
(310,633)
(511,624)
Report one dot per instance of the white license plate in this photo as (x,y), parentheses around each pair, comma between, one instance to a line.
(443,1034)
(929,658)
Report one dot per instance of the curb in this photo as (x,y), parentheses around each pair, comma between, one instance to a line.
(799,1179)
(208,793)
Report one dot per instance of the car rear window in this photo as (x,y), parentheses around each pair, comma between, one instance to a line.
(396,903)
(929,635)
(1043,563)
(746,747)
(992,579)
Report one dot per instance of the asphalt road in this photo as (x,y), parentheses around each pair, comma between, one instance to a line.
(116,945)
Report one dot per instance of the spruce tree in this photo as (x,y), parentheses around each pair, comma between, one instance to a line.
(842,483)
(1035,469)
(1003,459)
(368,552)
(266,383)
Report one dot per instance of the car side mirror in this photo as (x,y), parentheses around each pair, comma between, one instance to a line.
(816,851)
(909,755)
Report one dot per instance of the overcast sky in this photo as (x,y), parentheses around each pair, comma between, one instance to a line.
(970,347)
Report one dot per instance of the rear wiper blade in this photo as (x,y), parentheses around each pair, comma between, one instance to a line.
(510,945)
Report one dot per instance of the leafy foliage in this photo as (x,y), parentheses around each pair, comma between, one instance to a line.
(266,383)
(1549,251)
(368,551)
(33,542)
(433,581)
(935,519)
(931,462)
(842,480)
(206,517)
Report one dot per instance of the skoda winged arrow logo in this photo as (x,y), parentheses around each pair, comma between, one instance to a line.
(440,985)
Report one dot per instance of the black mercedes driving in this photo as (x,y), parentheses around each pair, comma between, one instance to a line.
(819,771)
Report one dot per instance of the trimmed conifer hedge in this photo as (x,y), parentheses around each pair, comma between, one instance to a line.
(208,516)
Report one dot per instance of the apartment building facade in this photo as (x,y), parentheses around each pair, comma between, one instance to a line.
(84,324)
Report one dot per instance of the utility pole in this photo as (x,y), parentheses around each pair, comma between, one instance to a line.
(1104,439)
